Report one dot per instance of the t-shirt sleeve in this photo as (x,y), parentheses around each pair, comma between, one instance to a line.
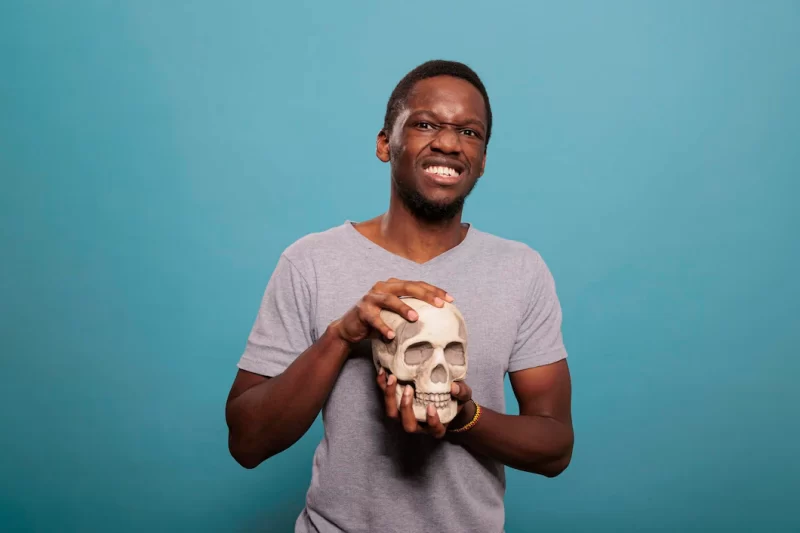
(283,328)
(539,340)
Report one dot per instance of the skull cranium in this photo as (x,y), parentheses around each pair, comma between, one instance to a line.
(429,353)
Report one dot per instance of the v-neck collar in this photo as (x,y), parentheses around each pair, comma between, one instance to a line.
(386,255)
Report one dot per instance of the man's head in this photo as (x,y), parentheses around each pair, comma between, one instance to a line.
(436,130)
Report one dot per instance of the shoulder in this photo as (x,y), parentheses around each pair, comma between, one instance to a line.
(524,265)
(314,242)
(312,248)
(516,254)
(518,261)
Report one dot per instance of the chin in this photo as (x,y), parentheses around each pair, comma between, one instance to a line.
(440,199)
(438,205)
(437,211)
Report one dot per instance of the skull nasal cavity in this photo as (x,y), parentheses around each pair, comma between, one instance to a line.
(439,374)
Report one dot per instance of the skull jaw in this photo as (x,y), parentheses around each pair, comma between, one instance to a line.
(446,414)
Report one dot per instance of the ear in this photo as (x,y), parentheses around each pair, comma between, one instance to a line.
(382,146)
(483,164)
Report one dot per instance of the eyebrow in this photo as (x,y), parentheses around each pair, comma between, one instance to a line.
(473,120)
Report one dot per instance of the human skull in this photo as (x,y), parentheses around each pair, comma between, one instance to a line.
(429,353)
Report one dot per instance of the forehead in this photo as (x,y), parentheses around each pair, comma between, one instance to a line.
(448,96)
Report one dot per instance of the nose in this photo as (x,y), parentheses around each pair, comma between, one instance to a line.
(446,142)
(439,374)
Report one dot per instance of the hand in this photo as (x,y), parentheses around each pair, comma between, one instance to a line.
(364,318)
(460,391)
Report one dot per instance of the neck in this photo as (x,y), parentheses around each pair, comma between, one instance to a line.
(400,232)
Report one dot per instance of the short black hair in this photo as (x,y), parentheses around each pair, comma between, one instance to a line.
(430,69)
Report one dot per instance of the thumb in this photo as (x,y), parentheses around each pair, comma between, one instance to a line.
(461,391)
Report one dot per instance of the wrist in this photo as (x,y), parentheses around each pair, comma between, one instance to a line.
(464,416)
(334,335)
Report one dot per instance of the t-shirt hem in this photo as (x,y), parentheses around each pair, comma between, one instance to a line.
(540,359)
(264,368)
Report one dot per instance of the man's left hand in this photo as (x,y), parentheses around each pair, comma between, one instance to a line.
(460,391)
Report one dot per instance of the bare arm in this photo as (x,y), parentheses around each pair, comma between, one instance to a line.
(540,439)
(267,415)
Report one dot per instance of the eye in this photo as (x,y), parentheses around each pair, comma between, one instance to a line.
(418,353)
(470,133)
(424,125)
(454,354)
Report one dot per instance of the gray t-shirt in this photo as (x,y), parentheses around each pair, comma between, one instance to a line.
(368,474)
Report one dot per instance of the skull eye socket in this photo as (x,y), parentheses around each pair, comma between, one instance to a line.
(454,354)
(418,353)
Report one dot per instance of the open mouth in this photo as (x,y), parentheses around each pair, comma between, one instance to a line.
(443,171)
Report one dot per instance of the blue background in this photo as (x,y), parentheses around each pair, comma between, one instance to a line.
(156,157)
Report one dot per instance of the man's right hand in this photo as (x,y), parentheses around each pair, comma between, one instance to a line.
(364,317)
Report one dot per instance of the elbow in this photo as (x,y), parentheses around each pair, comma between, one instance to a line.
(245,461)
(249,465)
(559,464)
(241,442)
(556,468)
(243,455)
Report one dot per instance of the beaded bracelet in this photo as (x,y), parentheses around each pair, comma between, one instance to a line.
(472,422)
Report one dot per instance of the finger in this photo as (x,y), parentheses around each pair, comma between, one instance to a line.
(435,426)
(390,397)
(407,411)
(381,379)
(369,313)
(441,293)
(393,303)
(419,290)
(461,391)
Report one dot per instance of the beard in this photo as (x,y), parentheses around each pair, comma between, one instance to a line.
(428,210)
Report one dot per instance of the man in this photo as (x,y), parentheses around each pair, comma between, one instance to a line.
(378,468)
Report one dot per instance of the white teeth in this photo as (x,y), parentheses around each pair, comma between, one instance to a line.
(443,171)
(439,399)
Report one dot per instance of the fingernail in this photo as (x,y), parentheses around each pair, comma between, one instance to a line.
(448,297)
(390,335)
(412,315)
(455,388)
(380,371)
(431,409)
(438,301)
(391,380)
(407,392)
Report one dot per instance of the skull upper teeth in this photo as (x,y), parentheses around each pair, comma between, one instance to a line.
(438,399)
